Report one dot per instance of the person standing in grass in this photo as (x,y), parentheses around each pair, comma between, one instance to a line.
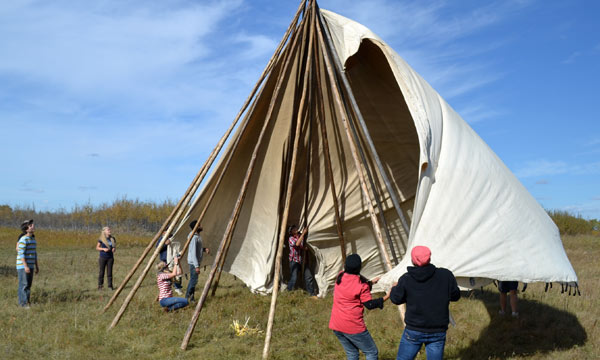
(352,293)
(26,262)
(106,246)
(427,292)
(296,244)
(163,280)
(195,252)
(508,288)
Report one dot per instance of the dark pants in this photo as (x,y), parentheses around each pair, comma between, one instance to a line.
(308,277)
(108,264)
(191,289)
(25,281)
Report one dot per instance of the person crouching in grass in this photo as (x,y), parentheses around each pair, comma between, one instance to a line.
(163,280)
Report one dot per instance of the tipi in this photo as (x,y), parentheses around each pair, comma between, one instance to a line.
(342,136)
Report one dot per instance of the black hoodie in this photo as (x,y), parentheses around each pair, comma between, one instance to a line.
(427,291)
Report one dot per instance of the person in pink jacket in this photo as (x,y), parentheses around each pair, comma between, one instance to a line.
(351,294)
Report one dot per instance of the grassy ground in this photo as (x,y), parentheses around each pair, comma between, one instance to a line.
(65,322)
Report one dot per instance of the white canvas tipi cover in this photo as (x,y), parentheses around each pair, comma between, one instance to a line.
(460,199)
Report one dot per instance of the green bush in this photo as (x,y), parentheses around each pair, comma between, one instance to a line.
(569,224)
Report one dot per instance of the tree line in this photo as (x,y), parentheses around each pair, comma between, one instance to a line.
(124,215)
(145,217)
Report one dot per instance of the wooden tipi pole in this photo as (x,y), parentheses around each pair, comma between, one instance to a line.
(353,150)
(242,194)
(327,159)
(284,217)
(200,176)
(150,245)
(365,130)
(222,262)
(401,308)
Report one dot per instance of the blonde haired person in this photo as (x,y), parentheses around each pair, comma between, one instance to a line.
(163,280)
(106,246)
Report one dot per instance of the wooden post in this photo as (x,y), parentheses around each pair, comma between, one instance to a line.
(357,164)
(284,217)
(235,214)
(365,130)
(328,167)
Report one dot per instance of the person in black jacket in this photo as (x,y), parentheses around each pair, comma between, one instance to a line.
(427,292)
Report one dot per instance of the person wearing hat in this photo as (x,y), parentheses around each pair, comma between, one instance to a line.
(26,262)
(427,291)
(351,294)
(194,259)
(163,280)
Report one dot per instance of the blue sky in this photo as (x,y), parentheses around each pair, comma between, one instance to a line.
(105,99)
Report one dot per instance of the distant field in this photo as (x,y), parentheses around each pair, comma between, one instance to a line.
(64,321)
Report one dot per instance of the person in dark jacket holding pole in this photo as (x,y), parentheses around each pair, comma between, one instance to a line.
(427,292)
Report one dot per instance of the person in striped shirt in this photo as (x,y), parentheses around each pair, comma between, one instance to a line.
(163,280)
(297,245)
(26,262)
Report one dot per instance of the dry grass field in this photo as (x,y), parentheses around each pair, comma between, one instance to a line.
(65,321)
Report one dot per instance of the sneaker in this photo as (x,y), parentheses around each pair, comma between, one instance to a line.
(515,314)
(100,287)
(500,312)
(178,291)
(26,307)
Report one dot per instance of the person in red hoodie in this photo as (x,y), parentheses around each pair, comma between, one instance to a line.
(427,291)
(352,293)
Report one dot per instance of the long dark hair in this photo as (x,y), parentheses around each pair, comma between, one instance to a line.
(363,279)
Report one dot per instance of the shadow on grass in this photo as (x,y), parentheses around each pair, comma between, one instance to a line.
(539,329)
(7,271)
(61,296)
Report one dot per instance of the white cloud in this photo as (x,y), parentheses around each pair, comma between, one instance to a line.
(476,113)
(542,168)
(256,45)
(572,57)
(587,210)
(545,167)
(139,51)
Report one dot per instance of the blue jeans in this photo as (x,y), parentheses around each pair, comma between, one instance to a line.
(308,277)
(25,281)
(411,344)
(174,303)
(354,342)
(191,289)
